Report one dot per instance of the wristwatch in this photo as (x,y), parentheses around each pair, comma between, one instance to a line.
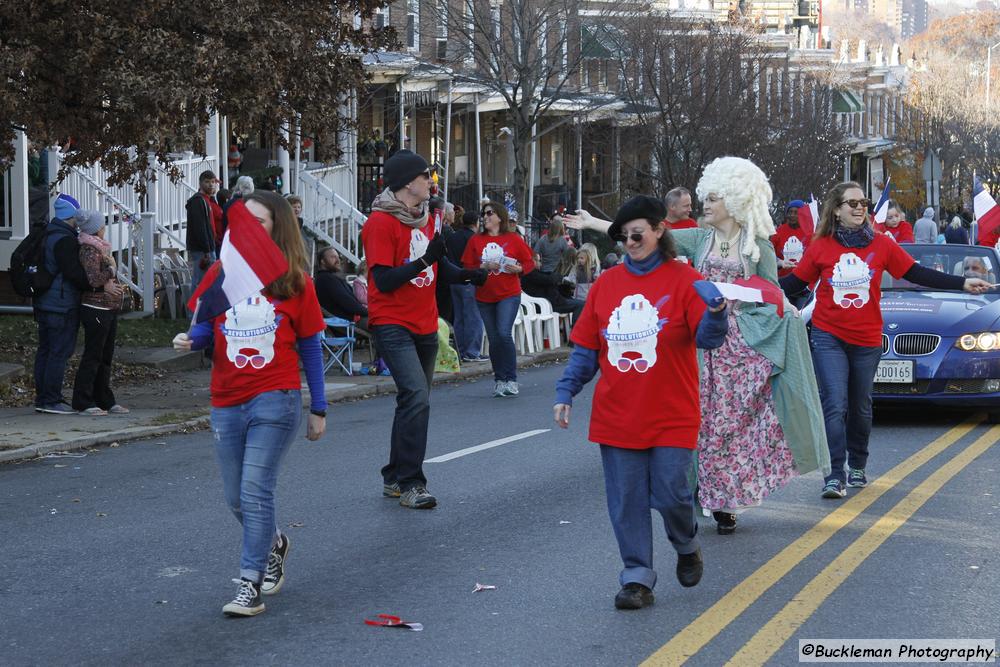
(318,413)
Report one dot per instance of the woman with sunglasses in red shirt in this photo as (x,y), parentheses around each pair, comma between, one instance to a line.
(848,258)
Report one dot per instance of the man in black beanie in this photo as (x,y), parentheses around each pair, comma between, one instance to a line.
(404,255)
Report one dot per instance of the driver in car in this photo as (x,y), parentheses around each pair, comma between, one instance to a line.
(975,267)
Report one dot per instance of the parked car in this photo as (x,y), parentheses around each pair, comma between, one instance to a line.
(942,348)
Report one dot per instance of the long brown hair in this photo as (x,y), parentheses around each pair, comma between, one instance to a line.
(501,211)
(556,229)
(286,234)
(833,199)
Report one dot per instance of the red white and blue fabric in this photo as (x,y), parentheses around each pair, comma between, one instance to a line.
(882,207)
(808,215)
(249,260)
(987,214)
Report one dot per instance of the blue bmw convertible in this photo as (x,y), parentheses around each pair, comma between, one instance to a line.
(942,348)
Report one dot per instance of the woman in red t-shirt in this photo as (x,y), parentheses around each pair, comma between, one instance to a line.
(501,251)
(257,398)
(848,257)
(639,327)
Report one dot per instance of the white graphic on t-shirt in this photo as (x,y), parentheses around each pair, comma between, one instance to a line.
(850,281)
(793,249)
(494,254)
(249,332)
(418,246)
(632,330)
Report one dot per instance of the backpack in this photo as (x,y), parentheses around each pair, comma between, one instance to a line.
(28,274)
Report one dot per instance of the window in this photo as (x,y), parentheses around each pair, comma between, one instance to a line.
(380,18)
(495,22)
(470,29)
(442,30)
(413,24)
(564,46)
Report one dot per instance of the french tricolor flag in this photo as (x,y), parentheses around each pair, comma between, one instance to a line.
(882,207)
(248,261)
(809,216)
(987,214)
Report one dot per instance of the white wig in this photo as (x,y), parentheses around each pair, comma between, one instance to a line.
(747,194)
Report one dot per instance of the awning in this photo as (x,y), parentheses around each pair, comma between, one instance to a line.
(845,101)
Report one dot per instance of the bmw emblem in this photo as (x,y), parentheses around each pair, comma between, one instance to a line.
(893,326)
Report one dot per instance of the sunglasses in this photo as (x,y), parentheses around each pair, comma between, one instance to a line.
(635,237)
(422,281)
(488,213)
(854,203)
(624,364)
(856,302)
(256,360)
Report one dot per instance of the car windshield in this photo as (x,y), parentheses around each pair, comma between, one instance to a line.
(958,260)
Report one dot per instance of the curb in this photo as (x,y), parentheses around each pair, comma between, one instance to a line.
(40,449)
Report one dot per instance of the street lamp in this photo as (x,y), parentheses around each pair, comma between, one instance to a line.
(989,54)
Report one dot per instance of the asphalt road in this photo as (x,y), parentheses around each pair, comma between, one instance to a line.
(125,556)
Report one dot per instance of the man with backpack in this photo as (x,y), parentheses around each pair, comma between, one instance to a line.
(57,308)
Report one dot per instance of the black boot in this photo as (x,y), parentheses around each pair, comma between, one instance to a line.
(725,523)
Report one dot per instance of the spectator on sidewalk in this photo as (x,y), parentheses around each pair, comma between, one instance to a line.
(552,245)
(57,310)
(468,323)
(587,269)
(543,285)
(405,257)
(257,398)
(956,232)
(100,303)
(925,230)
(204,216)
(243,187)
(360,285)
(336,295)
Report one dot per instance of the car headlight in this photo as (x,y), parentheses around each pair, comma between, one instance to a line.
(981,342)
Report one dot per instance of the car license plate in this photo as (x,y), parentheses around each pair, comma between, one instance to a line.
(894,371)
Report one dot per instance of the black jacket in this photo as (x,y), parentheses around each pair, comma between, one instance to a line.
(337,297)
(200,237)
(455,244)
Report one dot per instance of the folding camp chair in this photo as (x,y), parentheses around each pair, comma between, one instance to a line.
(338,341)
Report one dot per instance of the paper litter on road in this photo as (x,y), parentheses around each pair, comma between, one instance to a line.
(483,587)
(390,621)
(64,455)
(563,523)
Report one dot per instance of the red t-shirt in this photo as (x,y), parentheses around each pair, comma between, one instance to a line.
(847,300)
(781,237)
(684,223)
(903,232)
(499,285)
(255,345)
(390,243)
(216,210)
(646,326)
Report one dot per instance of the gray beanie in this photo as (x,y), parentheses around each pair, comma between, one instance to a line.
(89,221)
(929,212)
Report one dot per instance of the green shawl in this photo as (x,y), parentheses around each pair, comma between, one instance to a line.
(785,343)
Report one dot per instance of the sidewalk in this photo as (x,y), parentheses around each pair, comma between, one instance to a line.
(179,403)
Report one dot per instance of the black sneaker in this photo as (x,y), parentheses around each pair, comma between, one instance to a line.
(834,489)
(274,576)
(247,601)
(417,498)
(391,490)
(61,408)
(689,569)
(633,596)
(856,478)
(725,523)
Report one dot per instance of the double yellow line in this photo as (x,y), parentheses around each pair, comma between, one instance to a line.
(781,627)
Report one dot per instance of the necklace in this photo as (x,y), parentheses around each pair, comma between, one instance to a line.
(725,244)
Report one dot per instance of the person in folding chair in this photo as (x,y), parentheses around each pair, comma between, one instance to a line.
(406,256)
(337,297)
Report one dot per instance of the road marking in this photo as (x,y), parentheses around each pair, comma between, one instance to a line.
(714,620)
(783,625)
(486,445)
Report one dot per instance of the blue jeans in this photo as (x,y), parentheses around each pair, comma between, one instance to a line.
(468,323)
(637,480)
(410,358)
(250,440)
(845,373)
(498,318)
(56,343)
(194,263)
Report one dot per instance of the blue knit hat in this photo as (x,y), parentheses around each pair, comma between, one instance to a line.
(65,207)
(795,203)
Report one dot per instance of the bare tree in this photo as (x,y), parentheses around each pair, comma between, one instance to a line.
(530,53)
(700,92)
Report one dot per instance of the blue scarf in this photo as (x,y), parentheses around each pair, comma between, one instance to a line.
(641,267)
(854,238)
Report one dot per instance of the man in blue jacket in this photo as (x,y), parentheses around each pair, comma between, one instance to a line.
(57,310)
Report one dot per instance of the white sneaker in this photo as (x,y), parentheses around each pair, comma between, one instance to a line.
(498,389)
(510,388)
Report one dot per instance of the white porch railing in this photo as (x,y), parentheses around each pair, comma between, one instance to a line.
(329,216)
